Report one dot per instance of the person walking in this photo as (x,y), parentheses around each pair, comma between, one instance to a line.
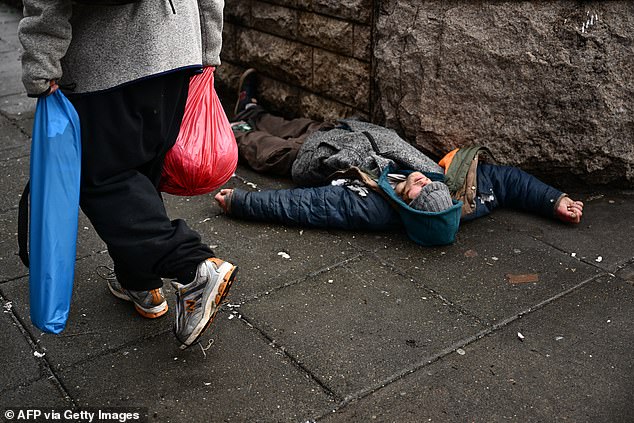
(125,66)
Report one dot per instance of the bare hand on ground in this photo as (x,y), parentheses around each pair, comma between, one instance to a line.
(569,210)
(222,198)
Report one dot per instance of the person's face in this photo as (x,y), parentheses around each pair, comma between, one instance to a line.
(410,188)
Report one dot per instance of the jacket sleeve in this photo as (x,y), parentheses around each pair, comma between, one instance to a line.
(514,188)
(45,34)
(335,207)
(211,22)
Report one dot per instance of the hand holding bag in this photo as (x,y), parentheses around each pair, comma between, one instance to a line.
(54,210)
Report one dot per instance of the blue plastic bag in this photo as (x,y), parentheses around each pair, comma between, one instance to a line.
(54,210)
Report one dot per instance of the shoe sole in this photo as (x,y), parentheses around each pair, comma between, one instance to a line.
(148,313)
(242,78)
(212,307)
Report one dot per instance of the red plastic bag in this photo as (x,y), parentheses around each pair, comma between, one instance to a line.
(205,154)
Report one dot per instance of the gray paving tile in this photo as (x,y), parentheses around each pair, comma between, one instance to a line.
(40,393)
(606,213)
(19,107)
(97,323)
(476,273)
(14,174)
(256,247)
(356,325)
(575,364)
(16,351)
(10,265)
(10,73)
(12,137)
(239,378)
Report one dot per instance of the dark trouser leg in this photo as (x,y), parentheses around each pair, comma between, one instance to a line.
(126,133)
(273,144)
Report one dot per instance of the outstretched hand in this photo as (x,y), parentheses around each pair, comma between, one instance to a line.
(223,198)
(569,210)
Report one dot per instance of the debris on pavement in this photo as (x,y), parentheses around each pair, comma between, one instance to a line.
(520,336)
(522,278)
(284,255)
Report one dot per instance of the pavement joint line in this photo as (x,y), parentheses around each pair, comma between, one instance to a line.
(298,280)
(295,361)
(15,278)
(579,259)
(109,351)
(362,393)
(421,285)
(46,365)
(25,156)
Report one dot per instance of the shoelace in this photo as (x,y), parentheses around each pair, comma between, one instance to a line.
(106,273)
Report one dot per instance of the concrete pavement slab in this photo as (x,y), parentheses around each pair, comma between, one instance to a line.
(575,364)
(15,350)
(604,236)
(14,174)
(40,393)
(9,18)
(10,265)
(627,273)
(492,272)
(20,108)
(10,74)
(268,256)
(241,378)
(358,324)
(12,138)
(97,323)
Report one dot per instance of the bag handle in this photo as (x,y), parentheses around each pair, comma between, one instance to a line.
(23,225)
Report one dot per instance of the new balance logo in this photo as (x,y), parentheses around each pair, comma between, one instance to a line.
(190,305)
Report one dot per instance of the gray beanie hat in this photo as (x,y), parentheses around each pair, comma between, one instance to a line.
(433,197)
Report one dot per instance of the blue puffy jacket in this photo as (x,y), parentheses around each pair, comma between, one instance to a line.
(328,206)
(338,207)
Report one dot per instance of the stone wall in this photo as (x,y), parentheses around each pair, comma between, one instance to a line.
(313,56)
(548,86)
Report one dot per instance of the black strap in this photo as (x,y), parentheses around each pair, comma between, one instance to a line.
(23,225)
(370,138)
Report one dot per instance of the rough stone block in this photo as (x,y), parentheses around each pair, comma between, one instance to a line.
(329,33)
(228,51)
(548,86)
(278,20)
(273,55)
(362,42)
(319,108)
(289,3)
(238,12)
(355,10)
(343,78)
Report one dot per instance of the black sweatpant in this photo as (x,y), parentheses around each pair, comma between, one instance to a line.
(126,133)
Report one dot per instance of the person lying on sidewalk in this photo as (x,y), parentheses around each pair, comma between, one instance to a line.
(356,175)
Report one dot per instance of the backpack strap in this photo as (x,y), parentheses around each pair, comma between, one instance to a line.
(23,225)
(459,167)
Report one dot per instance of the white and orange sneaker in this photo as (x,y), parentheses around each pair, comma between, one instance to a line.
(150,304)
(198,302)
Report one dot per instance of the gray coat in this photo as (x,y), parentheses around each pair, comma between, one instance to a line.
(95,48)
(356,144)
